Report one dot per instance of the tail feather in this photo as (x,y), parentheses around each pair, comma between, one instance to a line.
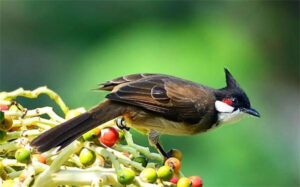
(63,134)
(51,136)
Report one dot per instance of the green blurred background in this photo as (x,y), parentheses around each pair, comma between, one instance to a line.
(72,46)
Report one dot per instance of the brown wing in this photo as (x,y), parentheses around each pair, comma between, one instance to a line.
(109,85)
(174,98)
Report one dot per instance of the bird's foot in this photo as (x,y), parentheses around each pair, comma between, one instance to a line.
(120,122)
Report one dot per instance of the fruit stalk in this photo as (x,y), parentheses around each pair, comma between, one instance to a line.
(98,158)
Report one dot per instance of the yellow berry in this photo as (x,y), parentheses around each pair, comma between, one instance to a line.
(87,157)
(184,182)
(92,134)
(165,173)
(6,123)
(148,175)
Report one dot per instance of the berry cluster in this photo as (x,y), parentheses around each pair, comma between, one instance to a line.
(105,155)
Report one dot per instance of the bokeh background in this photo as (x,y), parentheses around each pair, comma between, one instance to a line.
(73,46)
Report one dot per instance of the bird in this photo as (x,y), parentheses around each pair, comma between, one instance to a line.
(156,104)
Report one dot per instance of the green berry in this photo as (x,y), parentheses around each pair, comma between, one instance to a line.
(90,135)
(125,176)
(148,175)
(141,159)
(1,116)
(184,182)
(165,173)
(87,157)
(22,155)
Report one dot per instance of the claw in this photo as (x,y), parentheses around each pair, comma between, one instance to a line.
(120,122)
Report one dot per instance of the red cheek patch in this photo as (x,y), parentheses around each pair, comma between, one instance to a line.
(227,101)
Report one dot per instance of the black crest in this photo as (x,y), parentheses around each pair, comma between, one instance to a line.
(230,81)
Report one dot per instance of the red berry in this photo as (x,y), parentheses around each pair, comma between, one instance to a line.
(109,136)
(196,181)
(4,107)
(174,180)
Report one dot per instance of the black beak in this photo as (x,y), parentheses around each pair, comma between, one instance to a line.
(251,111)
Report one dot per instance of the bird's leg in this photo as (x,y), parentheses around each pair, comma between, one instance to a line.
(153,137)
(161,150)
(120,122)
(144,150)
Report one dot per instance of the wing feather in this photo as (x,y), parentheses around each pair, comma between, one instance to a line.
(109,85)
(174,98)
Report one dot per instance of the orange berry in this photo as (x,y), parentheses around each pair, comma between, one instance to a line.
(39,158)
(173,163)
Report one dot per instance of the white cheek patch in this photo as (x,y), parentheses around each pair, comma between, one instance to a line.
(223,107)
(230,117)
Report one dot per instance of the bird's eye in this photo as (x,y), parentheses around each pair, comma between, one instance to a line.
(227,101)
(234,100)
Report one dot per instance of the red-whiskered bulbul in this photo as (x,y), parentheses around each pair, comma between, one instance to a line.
(156,104)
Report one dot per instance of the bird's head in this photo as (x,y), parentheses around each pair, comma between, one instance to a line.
(232,102)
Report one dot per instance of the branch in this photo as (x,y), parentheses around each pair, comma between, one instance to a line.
(101,166)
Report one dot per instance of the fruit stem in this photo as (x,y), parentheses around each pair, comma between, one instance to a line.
(144,150)
(36,112)
(34,94)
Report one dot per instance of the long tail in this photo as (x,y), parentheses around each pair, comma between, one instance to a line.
(63,134)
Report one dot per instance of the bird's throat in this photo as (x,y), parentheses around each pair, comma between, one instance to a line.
(230,117)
